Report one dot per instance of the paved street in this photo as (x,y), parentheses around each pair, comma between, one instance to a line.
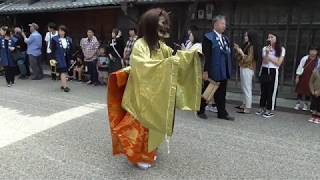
(48,134)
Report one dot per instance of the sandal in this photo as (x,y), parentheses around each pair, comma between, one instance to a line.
(239,107)
(244,111)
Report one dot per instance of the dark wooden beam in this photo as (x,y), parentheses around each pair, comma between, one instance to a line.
(32,1)
(192,9)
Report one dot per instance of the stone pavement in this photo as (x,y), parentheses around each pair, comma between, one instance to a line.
(48,134)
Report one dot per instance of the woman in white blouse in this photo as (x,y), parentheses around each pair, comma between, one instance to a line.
(273,56)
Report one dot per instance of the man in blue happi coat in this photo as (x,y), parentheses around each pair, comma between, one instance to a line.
(217,52)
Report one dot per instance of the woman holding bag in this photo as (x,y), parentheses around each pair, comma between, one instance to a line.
(304,71)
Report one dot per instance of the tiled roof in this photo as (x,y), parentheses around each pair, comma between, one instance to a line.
(22,6)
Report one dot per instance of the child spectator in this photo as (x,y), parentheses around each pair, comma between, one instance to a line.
(307,65)
(78,68)
(103,65)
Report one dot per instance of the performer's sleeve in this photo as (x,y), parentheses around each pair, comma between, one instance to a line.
(206,49)
(189,80)
(152,80)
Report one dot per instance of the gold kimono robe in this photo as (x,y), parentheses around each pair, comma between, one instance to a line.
(158,82)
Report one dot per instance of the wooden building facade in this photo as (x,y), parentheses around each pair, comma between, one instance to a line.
(296,22)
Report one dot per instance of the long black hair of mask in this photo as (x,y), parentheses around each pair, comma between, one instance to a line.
(149,26)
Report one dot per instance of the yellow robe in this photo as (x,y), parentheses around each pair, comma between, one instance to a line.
(158,83)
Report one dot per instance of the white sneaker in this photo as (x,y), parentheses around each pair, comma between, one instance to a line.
(316,121)
(305,107)
(311,120)
(143,166)
(213,109)
(297,107)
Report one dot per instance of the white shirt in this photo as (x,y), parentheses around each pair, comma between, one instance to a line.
(301,64)
(64,43)
(220,37)
(188,45)
(272,56)
(48,39)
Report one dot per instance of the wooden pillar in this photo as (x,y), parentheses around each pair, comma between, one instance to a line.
(233,9)
(192,9)
(14,20)
(298,37)
(289,16)
(179,26)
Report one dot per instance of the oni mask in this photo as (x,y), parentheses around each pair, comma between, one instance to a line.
(164,28)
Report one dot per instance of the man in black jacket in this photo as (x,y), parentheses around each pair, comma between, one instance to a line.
(20,52)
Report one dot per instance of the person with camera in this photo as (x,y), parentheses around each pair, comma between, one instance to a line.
(273,55)
(247,56)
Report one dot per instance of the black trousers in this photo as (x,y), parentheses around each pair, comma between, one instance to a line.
(219,98)
(9,74)
(115,65)
(92,71)
(269,88)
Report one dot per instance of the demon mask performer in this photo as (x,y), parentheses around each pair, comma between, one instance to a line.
(142,98)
